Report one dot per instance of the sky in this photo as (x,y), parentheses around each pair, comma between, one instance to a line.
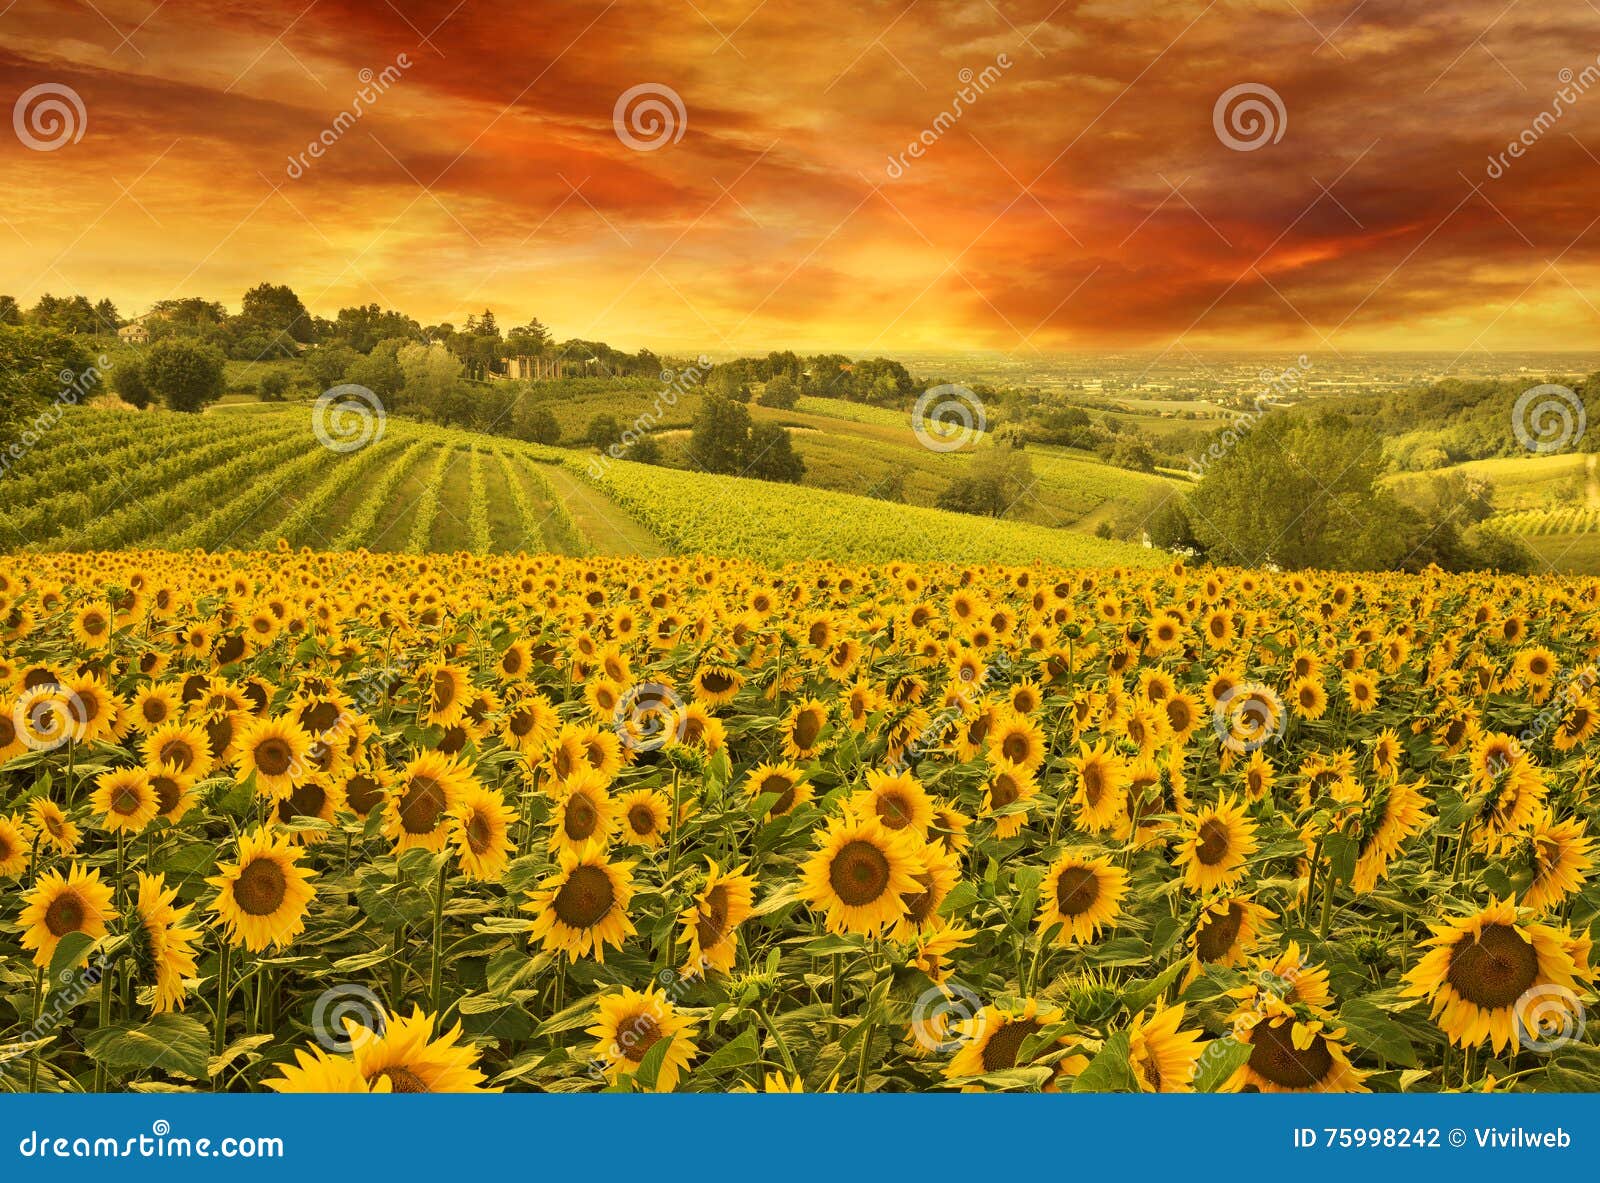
(1231,174)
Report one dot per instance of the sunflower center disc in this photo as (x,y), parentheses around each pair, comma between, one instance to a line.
(260,888)
(1496,969)
(585,898)
(860,873)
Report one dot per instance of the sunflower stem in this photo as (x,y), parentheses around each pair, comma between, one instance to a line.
(672,829)
(1329,884)
(33,1026)
(219,1040)
(777,1038)
(436,973)
(837,996)
(105,1021)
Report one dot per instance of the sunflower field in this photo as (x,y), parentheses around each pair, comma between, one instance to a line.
(314,822)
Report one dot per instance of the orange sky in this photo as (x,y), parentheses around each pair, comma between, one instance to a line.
(1083,200)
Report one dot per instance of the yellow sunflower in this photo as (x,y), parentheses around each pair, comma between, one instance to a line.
(1293,1051)
(898,801)
(860,875)
(992,1040)
(1562,856)
(183,747)
(163,944)
(646,817)
(711,923)
(262,898)
(805,729)
(125,800)
(630,1024)
(1489,975)
(1100,799)
(583,907)
(1162,1056)
(482,833)
(57,905)
(585,814)
(15,840)
(275,751)
(52,825)
(786,780)
(1082,894)
(418,811)
(1214,851)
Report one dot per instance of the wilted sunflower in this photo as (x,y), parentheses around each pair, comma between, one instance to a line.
(1293,1050)
(860,874)
(425,791)
(1082,894)
(124,800)
(263,897)
(992,1040)
(57,905)
(1162,1057)
(163,944)
(711,923)
(1219,842)
(786,780)
(583,907)
(630,1023)
(276,752)
(1483,975)
(482,833)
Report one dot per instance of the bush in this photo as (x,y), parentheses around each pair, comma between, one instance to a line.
(186,375)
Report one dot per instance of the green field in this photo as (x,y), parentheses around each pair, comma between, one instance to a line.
(245,476)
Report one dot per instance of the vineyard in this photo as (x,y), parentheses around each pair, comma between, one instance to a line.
(321,822)
(776,523)
(246,476)
(1564,519)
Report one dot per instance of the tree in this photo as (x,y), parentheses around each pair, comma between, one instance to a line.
(1301,491)
(644,450)
(998,478)
(539,424)
(604,430)
(770,455)
(10,311)
(728,381)
(277,309)
(328,364)
(780,392)
(379,371)
(185,374)
(430,374)
(33,362)
(128,381)
(721,435)
(274,385)
(1130,453)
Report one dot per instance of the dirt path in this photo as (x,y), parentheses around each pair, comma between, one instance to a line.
(610,529)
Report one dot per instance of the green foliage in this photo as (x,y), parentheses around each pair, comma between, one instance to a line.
(184,374)
(38,367)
